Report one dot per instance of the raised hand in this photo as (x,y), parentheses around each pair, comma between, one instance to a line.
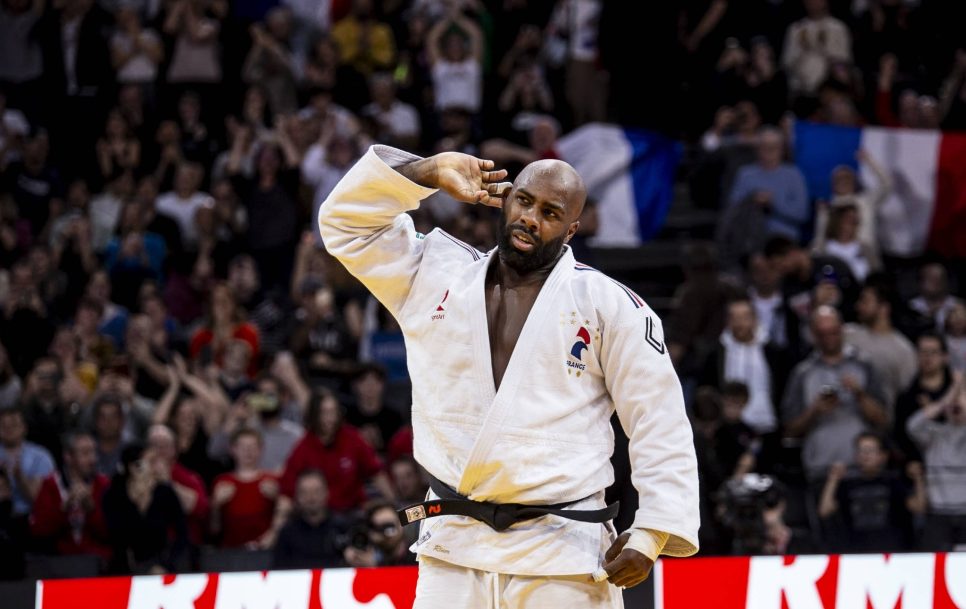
(462,176)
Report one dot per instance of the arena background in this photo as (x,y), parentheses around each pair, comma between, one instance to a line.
(163,286)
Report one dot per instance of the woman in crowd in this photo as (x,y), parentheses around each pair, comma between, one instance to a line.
(146,523)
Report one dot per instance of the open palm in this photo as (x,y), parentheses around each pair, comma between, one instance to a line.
(469,179)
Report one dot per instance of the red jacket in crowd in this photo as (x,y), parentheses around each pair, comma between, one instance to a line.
(198,517)
(245,331)
(71,530)
(400,444)
(347,464)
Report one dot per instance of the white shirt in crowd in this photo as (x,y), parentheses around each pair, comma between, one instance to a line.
(811,45)
(577,22)
(458,84)
(321,175)
(183,212)
(104,213)
(768,312)
(401,119)
(850,253)
(139,68)
(919,305)
(315,12)
(69,39)
(745,362)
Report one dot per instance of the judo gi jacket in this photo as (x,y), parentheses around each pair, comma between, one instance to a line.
(589,345)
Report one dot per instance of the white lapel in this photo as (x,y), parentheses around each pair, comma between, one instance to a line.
(503,400)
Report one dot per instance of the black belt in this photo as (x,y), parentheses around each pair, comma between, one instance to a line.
(498,515)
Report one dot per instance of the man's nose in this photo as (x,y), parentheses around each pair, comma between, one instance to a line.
(528,218)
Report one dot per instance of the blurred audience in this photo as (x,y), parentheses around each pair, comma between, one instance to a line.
(146,522)
(25,464)
(312,535)
(339,451)
(162,281)
(68,514)
(831,398)
(243,501)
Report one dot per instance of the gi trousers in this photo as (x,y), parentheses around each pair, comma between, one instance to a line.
(443,585)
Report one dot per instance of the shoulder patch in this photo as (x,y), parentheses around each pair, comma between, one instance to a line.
(650,336)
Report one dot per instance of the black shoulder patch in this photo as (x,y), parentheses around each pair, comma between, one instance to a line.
(651,339)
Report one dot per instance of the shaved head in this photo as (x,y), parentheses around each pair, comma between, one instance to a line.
(560,174)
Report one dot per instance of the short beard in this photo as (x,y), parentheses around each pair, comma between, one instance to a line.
(541,256)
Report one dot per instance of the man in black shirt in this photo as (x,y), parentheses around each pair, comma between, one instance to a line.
(312,537)
(875,506)
(933,380)
(369,412)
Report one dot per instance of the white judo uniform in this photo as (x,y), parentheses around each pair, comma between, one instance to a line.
(589,345)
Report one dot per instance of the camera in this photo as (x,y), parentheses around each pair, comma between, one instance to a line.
(357,536)
(742,505)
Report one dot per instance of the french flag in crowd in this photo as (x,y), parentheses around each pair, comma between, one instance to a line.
(926,210)
(629,173)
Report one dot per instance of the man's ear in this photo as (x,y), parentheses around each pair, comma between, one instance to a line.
(572,230)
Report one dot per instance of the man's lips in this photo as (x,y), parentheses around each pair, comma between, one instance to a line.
(522,240)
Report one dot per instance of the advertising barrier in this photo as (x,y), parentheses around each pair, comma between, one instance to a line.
(867,581)
(853,581)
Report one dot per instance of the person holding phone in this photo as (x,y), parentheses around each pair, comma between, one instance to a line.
(830,398)
(147,525)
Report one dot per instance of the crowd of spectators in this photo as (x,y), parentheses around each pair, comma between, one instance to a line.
(183,367)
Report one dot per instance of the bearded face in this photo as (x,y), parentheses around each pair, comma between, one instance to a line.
(523,251)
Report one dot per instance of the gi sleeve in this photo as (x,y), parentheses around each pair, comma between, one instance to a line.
(363,223)
(650,405)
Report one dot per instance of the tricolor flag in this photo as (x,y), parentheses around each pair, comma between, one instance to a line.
(630,175)
(927,208)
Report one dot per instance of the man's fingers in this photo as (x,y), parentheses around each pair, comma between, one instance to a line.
(615,549)
(626,569)
(626,575)
(493,194)
(493,176)
(486,164)
(620,574)
(483,197)
(499,189)
(628,581)
(615,567)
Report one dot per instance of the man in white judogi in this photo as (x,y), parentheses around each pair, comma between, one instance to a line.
(518,358)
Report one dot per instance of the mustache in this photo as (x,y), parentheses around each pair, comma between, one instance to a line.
(522,229)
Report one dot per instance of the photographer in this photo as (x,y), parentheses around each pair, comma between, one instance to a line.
(751,509)
(387,545)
